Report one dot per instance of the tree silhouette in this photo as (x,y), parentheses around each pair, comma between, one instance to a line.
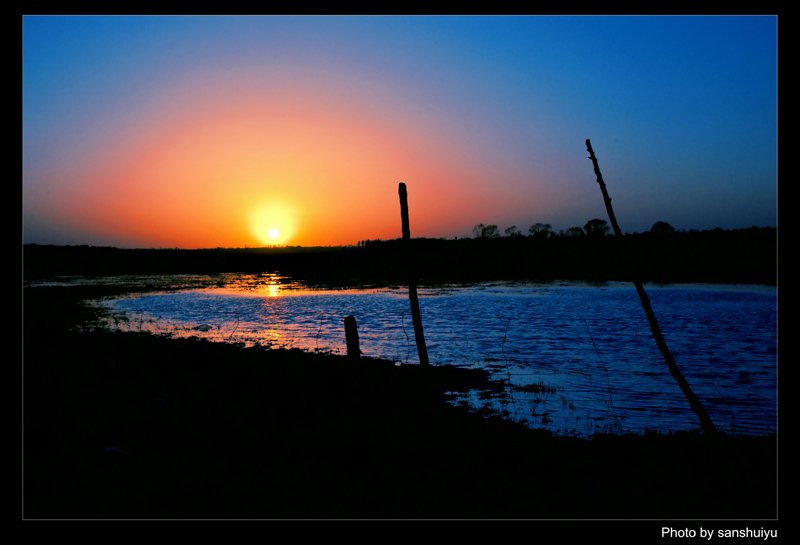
(596,228)
(574,232)
(543,230)
(513,231)
(486,231)
(662,227)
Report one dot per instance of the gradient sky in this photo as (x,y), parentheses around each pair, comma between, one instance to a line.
(201,132)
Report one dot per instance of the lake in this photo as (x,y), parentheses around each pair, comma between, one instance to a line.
(577,358)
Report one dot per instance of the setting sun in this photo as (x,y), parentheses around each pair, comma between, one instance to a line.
(273,223)
(179,150)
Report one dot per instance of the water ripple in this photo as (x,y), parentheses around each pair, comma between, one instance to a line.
(590,343)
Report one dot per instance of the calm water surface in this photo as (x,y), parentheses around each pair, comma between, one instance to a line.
(577,358)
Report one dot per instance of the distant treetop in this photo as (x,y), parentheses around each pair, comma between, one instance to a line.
(662,227)
(596,228)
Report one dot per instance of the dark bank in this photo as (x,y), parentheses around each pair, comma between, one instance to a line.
(738,256)
(123,425)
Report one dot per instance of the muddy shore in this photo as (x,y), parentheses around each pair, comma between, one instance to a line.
(132,426)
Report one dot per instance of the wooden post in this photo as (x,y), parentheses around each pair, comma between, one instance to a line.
(351,337)
(694,402)
(416,319)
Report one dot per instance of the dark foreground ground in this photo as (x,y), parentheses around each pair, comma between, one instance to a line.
(217,431)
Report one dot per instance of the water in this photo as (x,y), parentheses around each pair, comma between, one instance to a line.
(577,358)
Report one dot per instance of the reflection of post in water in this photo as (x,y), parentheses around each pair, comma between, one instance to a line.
(694,402)
(416,319)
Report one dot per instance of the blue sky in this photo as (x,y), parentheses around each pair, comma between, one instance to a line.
(484,118)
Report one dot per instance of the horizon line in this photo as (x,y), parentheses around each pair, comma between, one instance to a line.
(357,244)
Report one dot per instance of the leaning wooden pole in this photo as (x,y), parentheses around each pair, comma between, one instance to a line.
(416,318)
(694,402)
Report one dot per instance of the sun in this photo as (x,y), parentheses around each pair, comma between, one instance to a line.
(273,223)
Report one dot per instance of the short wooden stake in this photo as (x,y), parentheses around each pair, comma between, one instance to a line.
(416,318)
(694,402)
(351,337)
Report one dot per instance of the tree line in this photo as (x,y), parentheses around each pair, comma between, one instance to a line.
(592,228)
(662,254)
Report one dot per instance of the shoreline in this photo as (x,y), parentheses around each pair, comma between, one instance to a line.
(187,429)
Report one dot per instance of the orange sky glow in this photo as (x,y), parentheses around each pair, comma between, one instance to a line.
(204,132)
(211,169)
